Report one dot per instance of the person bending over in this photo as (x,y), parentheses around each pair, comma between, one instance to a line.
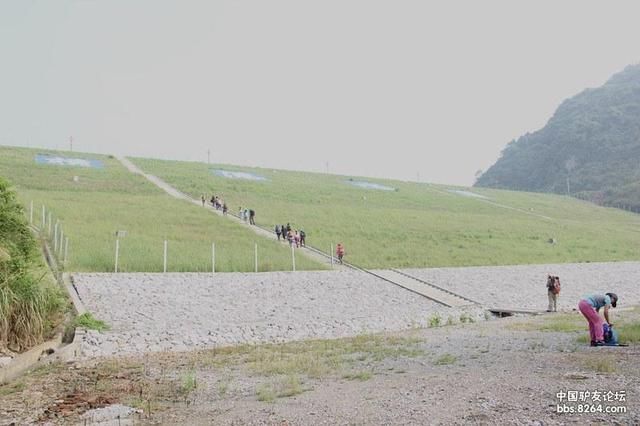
(590,306)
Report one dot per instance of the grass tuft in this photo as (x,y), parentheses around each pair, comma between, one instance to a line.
(602,364)
(435,320)
(446,359)
(88,321)
(361,376)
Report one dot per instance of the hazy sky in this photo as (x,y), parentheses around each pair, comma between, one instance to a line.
(374,88)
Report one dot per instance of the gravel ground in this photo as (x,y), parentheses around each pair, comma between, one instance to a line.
(505,371)
(159,312)
(180,311)
(524,286)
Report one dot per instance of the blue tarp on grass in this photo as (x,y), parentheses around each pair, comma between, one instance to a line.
(56,160)
(369,185)
(238,175)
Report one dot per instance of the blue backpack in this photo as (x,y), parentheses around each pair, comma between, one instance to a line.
(610,335)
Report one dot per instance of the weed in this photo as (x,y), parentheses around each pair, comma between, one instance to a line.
(11,388)
(435,320)
(290,386)
(189,383)
(87,320)
(265,393)
(466,318)
(223,388)
(629,333)
(445,359)
(600,364)
(361,376)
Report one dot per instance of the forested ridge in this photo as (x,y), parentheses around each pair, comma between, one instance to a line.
(590,148)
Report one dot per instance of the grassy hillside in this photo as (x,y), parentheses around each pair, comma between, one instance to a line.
(111,198)
(418,225)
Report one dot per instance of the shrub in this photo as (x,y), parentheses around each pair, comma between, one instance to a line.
(26,303)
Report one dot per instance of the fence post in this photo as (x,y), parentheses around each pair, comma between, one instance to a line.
(55,237)
(31,213)
(49,223)
(66,251)
(165,256)
(44,219)
(331,254)
(117,250)
(293,257)
(256,256)
(213,258)
(61,241)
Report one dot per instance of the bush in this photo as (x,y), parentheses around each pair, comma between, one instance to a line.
(26,303)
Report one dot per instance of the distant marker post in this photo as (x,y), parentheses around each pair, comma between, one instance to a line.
(55,237)
(255,256)
(117,252)
(165,257)
(331,254)
(66,251)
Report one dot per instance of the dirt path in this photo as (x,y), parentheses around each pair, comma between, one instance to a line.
(256,229)
(503,206)
(511,371)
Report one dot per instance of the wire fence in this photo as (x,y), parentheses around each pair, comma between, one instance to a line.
(257,258)
(50,229)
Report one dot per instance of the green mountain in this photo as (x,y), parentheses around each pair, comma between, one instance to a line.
(590,148)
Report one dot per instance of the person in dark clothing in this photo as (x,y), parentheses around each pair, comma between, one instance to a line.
(288,227)
(302,237)
(278,231)
(252,217)
(283,229)
(225,209)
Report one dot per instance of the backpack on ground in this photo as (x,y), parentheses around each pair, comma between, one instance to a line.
(610,335)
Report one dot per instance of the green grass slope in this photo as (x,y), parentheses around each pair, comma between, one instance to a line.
(111,198)
(419,225)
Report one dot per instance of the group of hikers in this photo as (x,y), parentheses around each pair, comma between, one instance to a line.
(247,215)
(216,202)
(601,329)
(295,237)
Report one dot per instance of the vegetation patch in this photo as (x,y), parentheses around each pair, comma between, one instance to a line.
(445,359)
(315,358)
(601,364)
(359,375)
(560,323)
(11,388)
(435,320)
(189,382)
(88,321)
(31,305)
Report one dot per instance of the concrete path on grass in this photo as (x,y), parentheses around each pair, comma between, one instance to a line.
(312,254)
